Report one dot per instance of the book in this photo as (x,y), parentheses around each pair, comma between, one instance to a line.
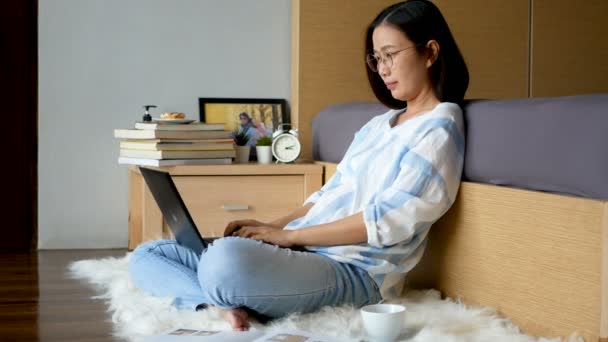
(183,135)
(229,141)
(173,162)
(196,126)
(176,154)
(185,335)
(252,335)
(151,145)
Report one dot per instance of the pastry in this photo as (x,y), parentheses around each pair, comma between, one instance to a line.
(173,115)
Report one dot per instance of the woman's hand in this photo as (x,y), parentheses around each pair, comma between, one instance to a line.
(238,224)
(268,234)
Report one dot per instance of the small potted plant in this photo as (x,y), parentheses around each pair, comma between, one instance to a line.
(263,150)
(242,149)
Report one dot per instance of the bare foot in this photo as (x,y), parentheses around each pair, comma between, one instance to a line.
(238,318)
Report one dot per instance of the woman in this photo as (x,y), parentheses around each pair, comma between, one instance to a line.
(366,228)
(249,128)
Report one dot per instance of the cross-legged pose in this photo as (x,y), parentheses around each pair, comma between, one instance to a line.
(366,228)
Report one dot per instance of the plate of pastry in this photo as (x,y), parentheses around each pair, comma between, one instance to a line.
(173,118)
(173,121)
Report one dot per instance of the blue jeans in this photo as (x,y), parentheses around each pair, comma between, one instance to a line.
(236,272)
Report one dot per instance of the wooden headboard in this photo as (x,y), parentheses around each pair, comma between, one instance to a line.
(328,52)
(514,49)
(328,57)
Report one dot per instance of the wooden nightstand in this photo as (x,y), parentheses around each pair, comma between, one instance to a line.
(218,194)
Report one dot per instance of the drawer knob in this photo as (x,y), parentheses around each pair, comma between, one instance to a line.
(237,207)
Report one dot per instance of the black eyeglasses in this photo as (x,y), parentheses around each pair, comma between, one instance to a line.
(373,59)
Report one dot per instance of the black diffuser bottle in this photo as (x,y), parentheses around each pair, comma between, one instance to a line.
(147,117)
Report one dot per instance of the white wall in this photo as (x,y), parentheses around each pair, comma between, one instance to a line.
(101,60)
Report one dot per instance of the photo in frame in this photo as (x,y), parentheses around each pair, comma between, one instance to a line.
(256,117)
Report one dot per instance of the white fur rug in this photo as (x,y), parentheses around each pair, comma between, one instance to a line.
(429,318)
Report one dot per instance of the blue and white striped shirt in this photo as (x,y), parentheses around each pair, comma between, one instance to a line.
(403,179)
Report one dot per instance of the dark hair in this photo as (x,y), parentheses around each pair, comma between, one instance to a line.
(244,115)
(421,21)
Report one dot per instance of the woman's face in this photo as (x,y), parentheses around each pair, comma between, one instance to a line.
(408,75)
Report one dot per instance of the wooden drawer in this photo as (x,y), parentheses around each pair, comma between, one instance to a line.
(215,193)
(213,201)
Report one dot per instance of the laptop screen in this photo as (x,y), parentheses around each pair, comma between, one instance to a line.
(174,210)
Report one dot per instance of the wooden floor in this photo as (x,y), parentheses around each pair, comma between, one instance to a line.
(39,302)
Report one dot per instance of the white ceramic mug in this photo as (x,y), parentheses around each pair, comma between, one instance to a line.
(383,322)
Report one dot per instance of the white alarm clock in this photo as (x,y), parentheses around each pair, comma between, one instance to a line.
(286,145)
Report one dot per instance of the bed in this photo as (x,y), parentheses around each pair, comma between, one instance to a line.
(528,233)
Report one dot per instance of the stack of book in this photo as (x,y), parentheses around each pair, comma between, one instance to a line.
(162,144)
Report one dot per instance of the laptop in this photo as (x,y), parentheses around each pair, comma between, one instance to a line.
(174,210)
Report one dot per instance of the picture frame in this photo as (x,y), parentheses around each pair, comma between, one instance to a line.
(265,115)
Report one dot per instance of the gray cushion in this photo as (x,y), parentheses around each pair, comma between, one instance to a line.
(334,127)
(549,144)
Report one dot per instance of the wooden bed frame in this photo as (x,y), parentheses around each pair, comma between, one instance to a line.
(541,259)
